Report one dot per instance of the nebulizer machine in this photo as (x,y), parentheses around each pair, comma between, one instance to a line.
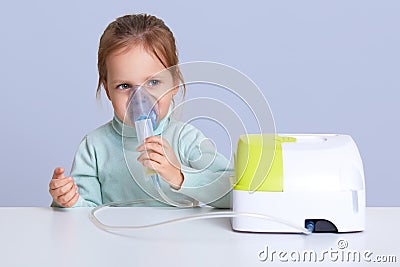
(283,183)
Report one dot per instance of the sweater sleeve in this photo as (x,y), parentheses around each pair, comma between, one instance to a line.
(206,172)
(84,172)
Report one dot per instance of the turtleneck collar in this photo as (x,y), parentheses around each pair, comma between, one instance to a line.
(128,131)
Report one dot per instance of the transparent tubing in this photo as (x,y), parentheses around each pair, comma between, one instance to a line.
(208,215)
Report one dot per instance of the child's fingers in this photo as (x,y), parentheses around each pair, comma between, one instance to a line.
(153,139)
(58,173)
(151,164)
(145,153)
(157,139)
(142,157)
(156,147)
(73,200)
(67,196)
(156,157)
(57,183)
(152,156)
(62,190)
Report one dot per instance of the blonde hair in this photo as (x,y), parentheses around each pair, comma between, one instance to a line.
(146,30)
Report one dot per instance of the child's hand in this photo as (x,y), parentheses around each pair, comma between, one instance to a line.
(159,156)
(63,189)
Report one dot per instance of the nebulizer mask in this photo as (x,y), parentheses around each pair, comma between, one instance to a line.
(142,110)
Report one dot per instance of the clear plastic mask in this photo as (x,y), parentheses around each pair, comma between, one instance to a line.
(142,112)
(142,105)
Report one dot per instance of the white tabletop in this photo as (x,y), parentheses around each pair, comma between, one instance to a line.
(66,237)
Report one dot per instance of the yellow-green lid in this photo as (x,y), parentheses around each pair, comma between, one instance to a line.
(258,162)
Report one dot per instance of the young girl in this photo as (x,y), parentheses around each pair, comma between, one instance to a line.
(132,50)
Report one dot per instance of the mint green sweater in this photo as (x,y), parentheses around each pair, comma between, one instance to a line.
(106,169)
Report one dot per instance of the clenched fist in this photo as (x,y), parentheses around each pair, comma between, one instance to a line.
(63,189)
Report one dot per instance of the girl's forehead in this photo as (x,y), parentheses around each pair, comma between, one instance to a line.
(131,60)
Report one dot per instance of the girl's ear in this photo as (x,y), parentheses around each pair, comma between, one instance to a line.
(175,90)
(177,80)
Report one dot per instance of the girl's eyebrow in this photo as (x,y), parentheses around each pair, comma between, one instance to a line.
(155,76)
(151,77)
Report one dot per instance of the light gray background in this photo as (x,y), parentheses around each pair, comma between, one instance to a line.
(324,66)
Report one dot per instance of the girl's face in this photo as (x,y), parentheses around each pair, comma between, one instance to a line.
(131,67)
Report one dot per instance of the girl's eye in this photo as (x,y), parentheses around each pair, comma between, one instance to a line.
(123,86)
(153,83)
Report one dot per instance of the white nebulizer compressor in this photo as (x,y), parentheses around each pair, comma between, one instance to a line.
(313,180)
